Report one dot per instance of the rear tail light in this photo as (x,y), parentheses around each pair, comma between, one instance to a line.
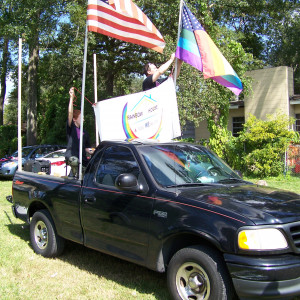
(58,163)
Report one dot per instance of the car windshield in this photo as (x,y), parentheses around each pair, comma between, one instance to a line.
(56,154)
(25,152)
(186,164)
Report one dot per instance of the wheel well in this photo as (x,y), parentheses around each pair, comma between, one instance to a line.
(175,243)
(34,207)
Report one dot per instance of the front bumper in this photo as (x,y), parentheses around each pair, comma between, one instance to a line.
(7,171)
(265,277)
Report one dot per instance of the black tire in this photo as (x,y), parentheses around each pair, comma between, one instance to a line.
(199,273)
(43,236)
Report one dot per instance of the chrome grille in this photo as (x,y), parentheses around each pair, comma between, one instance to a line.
(295,235)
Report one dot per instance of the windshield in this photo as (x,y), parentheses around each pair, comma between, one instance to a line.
(25,152)
(56,154)
(185,164)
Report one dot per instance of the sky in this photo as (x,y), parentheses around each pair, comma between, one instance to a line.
(9,87)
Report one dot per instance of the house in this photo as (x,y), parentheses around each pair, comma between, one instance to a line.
(272,90)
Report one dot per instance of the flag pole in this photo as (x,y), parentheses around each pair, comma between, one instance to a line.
(20,107)
(176,60)
(178,36)
(82,102)
(96,94)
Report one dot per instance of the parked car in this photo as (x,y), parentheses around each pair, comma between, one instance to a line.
(58,163)
(5,158)
(8,168)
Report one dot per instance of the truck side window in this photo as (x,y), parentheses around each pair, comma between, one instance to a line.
(116,160)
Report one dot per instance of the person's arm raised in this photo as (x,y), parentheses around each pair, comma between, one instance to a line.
(70,108)
(163,68)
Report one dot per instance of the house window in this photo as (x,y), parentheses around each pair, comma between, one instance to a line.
(237,125)
(188,131)
(298,123)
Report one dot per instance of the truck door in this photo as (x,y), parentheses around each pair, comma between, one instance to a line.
(114,221)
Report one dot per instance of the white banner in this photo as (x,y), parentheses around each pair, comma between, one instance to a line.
(152,114)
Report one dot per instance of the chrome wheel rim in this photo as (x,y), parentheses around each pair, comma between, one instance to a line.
(192,282)
(41,235)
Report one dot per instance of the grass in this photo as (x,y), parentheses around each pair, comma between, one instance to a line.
(79,273)
(289,183)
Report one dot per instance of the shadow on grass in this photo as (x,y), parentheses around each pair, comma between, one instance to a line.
(20,230)
(127,274)
(6,178)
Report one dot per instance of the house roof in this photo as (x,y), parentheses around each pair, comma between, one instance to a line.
(295,99)
(236,104)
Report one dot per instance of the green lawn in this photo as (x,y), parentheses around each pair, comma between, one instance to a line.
(289,183)
(80,273)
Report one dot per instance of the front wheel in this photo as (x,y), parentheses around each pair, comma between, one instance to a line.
(198,273)
(43,236)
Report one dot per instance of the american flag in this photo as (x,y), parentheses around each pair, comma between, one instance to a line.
(123,20)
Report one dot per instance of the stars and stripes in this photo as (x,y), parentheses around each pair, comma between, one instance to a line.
(123,20)
(196,48)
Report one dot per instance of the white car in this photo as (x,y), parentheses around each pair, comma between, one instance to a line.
(58,163)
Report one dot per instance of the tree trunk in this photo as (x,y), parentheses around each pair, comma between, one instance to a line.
(5,55)
(32,91)
(110,76)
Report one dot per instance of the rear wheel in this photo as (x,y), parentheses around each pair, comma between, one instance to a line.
(199,273)
(43,236)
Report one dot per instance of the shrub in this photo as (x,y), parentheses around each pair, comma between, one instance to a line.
(9,139)
(187,140)
(260,148)
(264,162)
(219,137)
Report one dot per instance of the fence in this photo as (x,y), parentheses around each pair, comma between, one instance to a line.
(293,159)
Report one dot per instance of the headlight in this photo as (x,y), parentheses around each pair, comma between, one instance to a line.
(10,164)
(262,239)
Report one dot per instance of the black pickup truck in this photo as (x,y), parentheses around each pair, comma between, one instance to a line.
(172,207)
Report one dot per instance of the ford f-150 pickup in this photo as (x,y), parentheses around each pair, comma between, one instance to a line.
(172,207)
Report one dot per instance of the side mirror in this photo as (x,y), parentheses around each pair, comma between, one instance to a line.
(128,182)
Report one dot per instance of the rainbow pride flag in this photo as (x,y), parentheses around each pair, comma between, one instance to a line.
(196,48)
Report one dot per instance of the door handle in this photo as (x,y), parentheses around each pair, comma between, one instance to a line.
(90,199)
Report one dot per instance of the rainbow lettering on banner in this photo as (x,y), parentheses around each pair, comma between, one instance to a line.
(143,119)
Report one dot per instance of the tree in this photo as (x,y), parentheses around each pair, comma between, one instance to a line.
(285,48)
(41,18)
(59,66)
(270,29)
(6,33)
(36,21)
(5,57)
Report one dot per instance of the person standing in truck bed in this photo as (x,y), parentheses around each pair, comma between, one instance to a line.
(73,136)
(153,73)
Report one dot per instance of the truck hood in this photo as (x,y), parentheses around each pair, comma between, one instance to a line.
(261,204)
